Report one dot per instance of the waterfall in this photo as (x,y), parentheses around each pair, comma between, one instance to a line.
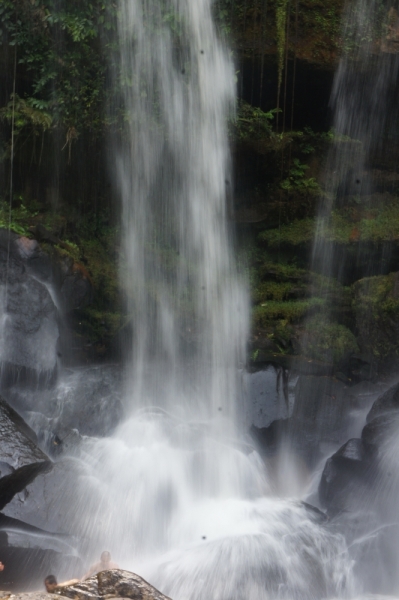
(187,302)
(363,102)
(178,494)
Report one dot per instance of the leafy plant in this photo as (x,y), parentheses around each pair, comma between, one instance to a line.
(297,181)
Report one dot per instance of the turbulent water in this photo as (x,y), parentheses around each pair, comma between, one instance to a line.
(177,494)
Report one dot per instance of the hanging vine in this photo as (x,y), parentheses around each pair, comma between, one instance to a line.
(281,29)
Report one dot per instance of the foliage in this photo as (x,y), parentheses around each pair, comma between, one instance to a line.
(296,179)
(281,25)
(327,341)
(251,122)
(18,220)
(376,307)
(290,310)
(295,233)
(272,290)
(58,46)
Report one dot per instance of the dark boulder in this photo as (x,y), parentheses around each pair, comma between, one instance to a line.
(321,403)
(385,404)
(269,439)
(49,502)
(380,429)
(345,477)
(112,584)
(28,324)
(267,395)
(85,401)
(22,461)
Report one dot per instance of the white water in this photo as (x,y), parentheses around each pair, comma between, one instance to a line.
(176,495)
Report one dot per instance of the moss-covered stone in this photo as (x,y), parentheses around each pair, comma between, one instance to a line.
(376,309)
(327,341)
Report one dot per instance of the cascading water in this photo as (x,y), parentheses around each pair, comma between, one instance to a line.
(176,494)
(363,101)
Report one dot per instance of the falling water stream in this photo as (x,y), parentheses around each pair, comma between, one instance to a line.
(177,494)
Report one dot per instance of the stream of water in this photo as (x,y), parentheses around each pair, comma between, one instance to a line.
(177,494)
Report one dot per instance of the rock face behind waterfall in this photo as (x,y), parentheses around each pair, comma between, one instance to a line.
(112,584)
(21,459)
(28,317)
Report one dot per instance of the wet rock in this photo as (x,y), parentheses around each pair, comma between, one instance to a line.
(321,416)
(268,393)
(28,324)
(75,285)
(86,401)
(385,404)
(345,476)
(22,460)
(112,584)
(380,429)
(49,502)
(270,438)
(31,596)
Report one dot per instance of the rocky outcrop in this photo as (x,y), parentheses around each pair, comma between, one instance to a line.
(21,460)
(345,476)
(83,402)
(112,584)
(385,404)
(321,417)
(28,317)
(356,467)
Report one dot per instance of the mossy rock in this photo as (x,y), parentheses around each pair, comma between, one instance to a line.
(376,309)
(327,341)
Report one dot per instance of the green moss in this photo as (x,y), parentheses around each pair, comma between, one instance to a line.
(376,308)
(290,310)
(327,341)
(295,233)
(282,271)
(281,26)
(272,290)
(369,225)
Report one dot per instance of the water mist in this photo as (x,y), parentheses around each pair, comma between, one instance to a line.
(176,495)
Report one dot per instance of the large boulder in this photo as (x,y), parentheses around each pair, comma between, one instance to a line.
(112,584)
(387,403)
(267,395)
(345,478)
(21,460)
(28,319)
(86,401)
(49,502)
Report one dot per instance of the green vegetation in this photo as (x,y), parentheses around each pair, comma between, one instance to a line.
(327,341)
(289,311)
(376,308)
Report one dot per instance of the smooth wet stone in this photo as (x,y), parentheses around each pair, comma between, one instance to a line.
(22,461)
(112,584)
(386,403)
(380,429)
(86,401)
(345,476)
(28,323)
